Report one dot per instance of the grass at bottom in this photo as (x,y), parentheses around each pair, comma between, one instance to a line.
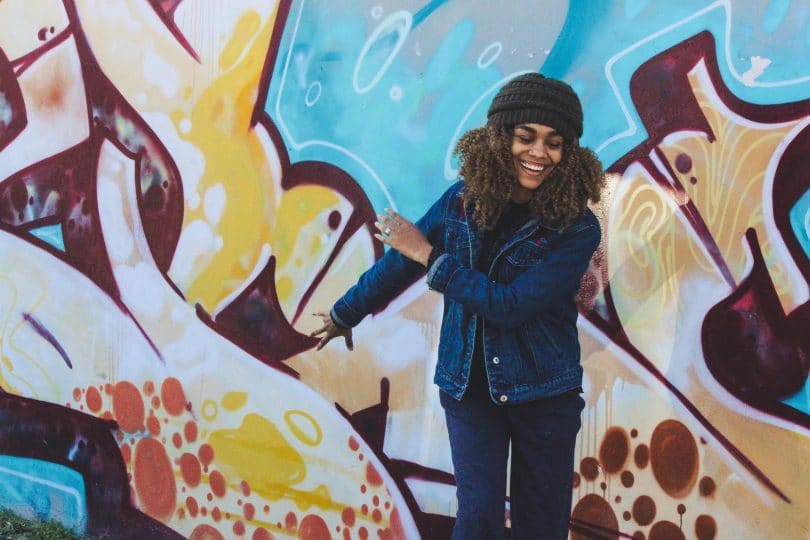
(15,527)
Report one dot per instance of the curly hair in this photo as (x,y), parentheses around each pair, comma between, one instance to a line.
(489,175)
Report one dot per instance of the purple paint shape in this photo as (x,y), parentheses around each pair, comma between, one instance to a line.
(48,336)
(255,322)
(751,347)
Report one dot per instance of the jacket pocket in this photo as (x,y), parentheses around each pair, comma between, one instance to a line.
(545,352)
(525,253)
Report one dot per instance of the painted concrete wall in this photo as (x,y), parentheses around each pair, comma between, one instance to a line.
(183,182)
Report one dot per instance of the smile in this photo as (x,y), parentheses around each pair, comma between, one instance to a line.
(532,167)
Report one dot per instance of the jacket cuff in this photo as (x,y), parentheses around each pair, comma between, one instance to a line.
(441,272)
(344,316)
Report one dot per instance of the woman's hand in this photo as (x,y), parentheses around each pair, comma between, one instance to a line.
(403,236)
(330,331)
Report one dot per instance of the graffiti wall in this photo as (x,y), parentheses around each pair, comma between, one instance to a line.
(184,182)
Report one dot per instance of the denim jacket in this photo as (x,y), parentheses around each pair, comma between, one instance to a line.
(531,345)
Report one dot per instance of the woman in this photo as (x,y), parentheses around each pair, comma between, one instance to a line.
(507,247)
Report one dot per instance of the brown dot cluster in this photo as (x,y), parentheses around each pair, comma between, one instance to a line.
(671,456)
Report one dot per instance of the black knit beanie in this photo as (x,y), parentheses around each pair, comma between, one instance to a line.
(532,98)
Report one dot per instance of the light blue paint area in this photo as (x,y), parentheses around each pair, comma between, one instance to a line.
(774,14)
(42,490)
(51,234)
(807,36)
(801,399)
(603,43)
(448,56)
(392,135)
(633,7)
(800,222)
(612,125)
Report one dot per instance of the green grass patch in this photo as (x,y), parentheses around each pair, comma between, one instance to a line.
(18,528)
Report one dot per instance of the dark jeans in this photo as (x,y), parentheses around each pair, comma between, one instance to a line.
(543,436)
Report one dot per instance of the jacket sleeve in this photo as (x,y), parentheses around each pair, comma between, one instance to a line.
(511,304)
(389,276)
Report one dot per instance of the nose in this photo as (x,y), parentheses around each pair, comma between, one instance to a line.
(537,148)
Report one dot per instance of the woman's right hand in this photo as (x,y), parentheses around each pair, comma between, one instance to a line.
(330,330)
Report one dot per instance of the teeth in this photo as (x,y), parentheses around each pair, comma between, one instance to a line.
(531,167)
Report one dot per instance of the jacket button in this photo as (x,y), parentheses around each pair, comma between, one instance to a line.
(503,399)
(496,360)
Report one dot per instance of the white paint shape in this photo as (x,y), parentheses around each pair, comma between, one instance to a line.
(758,65)
(138,292)
(399,23)
(117,235)
(159,72)
(196,241)
(214,203)
(489,55)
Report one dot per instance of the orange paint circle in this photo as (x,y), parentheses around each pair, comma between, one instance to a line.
(217,483)
(153,425)
(313,528)
(205,532)
(261,534)
(249,511)
(191,504)
(190,431)
(128,406)
(206,454)
(154,479)
(372,476)
(348,516)
(397,528)
(190,469)
(126,453)
(93,399)
(174,399)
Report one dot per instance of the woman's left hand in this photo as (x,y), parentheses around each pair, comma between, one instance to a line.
(403,236)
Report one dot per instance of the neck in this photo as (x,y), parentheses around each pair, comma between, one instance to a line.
(521,196)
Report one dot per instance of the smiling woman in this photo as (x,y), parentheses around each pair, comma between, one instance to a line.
(507,248)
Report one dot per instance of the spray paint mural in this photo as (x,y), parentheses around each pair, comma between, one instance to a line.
(183,182)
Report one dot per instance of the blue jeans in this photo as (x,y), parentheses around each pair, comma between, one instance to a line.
(543,436)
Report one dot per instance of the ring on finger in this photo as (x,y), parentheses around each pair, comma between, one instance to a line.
(387,231)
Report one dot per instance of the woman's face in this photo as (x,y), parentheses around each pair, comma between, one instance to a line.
(536,150)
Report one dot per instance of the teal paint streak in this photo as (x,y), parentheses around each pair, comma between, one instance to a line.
(800,222)
(800,400)
(584,18)
(52,234)
(426,11)
(44,491)
(774,15)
